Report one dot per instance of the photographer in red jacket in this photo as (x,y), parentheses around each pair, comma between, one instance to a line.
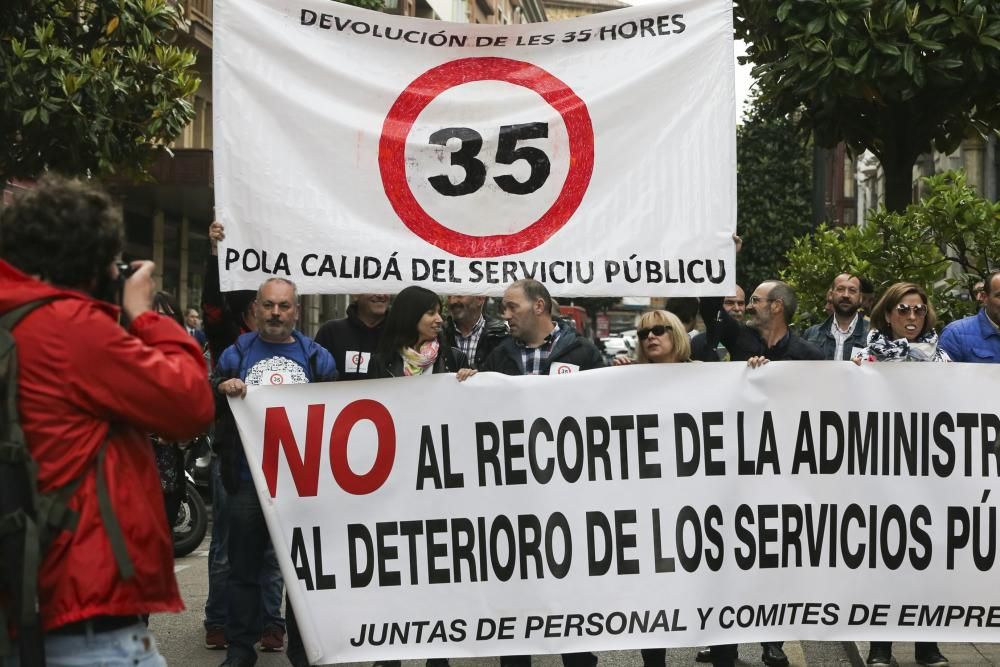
(88,393)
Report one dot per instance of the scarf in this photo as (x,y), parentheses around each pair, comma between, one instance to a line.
(924,348)
(416,362)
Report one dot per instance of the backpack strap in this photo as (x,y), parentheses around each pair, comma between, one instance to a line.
(111,525)
(14,452)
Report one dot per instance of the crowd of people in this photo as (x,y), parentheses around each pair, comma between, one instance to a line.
(91,395)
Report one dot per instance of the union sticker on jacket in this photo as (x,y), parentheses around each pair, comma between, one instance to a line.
(559,368)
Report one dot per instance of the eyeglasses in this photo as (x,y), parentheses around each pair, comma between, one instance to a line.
(754,300)
(919,309)
(656,330)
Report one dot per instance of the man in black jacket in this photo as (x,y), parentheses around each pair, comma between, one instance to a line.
(353,339)
(538,345)
(471,331)
(765,335)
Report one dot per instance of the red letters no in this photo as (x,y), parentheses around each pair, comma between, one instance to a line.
(375,412)
(305,470)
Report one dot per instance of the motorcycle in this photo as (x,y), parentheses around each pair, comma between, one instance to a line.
(192,517)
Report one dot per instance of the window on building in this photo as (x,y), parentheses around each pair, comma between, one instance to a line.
(850,191)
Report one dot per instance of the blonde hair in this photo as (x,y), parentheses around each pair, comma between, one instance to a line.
(678,335)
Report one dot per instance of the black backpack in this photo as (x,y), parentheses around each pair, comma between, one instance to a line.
(30,520)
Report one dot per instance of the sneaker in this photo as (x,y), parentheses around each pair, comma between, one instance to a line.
(931,658)
(272,639)
(215,638)
(879,656)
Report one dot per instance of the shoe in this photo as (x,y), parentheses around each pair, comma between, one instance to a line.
(773,655)
(931,658)
(272,639)
(215,638)
(879,656)
(705,655)
(238,662)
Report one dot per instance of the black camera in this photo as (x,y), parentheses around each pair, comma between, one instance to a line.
(125,271)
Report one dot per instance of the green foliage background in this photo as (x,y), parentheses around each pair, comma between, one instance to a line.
(774,190)
(90,87)
(946,242)
(893,76)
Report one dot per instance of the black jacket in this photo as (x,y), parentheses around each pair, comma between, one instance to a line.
(744,342)
(494,332)
(569,349)
(351,342)
(449,360)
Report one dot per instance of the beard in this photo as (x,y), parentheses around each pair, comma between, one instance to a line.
(846,309)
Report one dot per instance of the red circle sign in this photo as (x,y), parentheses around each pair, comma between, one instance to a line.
(433,82)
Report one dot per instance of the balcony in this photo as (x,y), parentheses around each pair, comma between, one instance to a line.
(198,14)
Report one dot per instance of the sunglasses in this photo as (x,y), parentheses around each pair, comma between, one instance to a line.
(656,330)
(918,310)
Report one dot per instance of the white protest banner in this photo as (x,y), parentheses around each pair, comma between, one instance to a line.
(357,151)
(644,506)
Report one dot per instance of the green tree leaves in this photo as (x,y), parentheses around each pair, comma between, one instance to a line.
(774,188)
(896,77)
(93,86)
(946,242)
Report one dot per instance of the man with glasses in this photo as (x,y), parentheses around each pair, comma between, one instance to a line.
(765,335)
(976,339)
(845,332)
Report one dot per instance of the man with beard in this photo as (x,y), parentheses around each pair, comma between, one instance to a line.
(471,331)
(274,354)
(765,335)
(845,331)
(89,391)
(353,339)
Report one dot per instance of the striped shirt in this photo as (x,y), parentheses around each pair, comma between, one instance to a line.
(532,358)
(469,344)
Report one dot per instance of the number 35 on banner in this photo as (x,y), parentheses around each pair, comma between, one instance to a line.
(536,167)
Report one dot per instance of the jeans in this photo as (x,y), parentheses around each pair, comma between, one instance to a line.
(132,646)
(271,584)
(249,544)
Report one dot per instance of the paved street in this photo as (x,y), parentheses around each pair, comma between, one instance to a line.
(181,640)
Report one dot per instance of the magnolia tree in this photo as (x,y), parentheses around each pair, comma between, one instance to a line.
(947,242)
(896,77)
(90,87)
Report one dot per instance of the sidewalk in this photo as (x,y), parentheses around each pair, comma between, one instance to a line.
(959,655)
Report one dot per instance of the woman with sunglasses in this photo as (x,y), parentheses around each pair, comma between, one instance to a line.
(662,339)
(902,327)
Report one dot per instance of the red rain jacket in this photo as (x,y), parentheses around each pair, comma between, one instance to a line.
(81,375)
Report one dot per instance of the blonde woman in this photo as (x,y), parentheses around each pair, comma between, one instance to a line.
(662,339)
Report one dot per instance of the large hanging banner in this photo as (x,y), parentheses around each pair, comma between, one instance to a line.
(644,506)
(357,151)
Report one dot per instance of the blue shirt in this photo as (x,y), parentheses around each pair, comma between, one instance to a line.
(258,362)
(974,339)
